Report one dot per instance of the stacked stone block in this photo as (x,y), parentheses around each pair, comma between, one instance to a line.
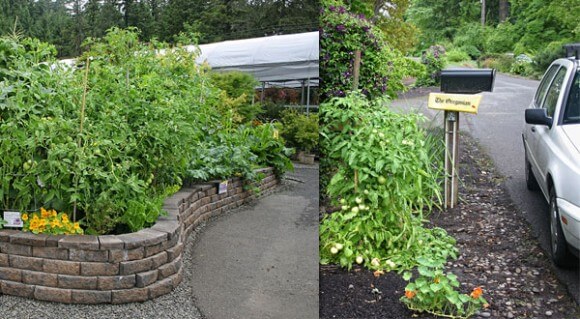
(116,269)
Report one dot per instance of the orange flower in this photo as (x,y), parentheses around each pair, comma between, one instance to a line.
(409,294)
(378,273)
(476,293)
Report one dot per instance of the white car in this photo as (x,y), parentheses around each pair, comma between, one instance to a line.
(552,153)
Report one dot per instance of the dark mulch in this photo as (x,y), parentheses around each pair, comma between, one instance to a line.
(498,253)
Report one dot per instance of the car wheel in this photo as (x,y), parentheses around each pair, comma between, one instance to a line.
(560,254)
(531,182)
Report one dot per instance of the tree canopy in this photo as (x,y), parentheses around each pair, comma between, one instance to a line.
(67,23)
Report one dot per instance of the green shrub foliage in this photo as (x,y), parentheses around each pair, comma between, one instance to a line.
(300,130)
(457,55)
(238,86)
(108,139)
(434,61)
(342,33)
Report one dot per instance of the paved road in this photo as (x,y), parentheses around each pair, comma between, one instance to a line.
(498,127)
(262,261)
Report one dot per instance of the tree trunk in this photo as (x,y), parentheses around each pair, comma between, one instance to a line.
(503,10)
(482,13)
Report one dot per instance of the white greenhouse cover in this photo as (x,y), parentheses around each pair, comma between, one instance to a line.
(279,58)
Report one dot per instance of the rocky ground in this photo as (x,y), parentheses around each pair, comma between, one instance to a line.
(497,252)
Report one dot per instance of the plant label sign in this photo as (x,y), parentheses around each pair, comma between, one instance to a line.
(454,102)
(12,219)
(223,187)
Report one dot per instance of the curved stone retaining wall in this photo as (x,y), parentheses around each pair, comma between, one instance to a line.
(115,268)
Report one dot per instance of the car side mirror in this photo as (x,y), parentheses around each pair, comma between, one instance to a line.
(538,116)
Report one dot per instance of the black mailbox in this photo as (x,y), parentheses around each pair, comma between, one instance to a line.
(467,81)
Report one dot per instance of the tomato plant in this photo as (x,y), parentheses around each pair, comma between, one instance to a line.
(385,178)
(108,139)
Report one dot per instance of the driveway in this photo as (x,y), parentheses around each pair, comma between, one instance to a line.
(498,128)
(262,261)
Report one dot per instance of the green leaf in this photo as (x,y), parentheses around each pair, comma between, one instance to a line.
(435,287)
(407,276)
(424,271)
(452,298)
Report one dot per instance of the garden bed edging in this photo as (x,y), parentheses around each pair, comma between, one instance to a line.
(116,269)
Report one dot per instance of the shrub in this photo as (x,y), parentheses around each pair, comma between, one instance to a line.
(265,142)
(501,62)
(522,65)
(300,130)
(457,55)
(502,38)
(546,56)
(271,111)
(470,35)
(342,33)
(434,61)
(239,88)
(473,52)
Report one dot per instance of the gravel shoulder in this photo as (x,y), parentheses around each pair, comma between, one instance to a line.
(498,252)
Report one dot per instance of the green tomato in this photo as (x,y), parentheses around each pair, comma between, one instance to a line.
(382,180)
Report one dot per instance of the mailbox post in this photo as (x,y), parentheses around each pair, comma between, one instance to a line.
(460,88)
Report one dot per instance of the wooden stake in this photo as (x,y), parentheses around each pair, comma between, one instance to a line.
(451,158)
(82,119)
(356,69)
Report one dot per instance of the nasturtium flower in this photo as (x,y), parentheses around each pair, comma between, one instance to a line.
(409,294)
(50,222)
(476,293)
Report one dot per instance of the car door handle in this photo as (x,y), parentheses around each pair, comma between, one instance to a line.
(533,128)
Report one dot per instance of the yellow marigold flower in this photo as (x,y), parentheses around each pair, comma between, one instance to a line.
(64,218)
(53,213)
(77,226)
(24,217)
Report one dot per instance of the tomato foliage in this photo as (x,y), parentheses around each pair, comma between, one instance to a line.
(108,139)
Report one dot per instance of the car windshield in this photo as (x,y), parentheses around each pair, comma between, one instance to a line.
(572,112)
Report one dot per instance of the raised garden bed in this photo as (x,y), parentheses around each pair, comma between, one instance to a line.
(116,269)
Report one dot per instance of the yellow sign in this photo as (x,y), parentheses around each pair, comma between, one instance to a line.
(454,102)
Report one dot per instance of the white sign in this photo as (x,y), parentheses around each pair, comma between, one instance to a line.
(12,219)
(223,187)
